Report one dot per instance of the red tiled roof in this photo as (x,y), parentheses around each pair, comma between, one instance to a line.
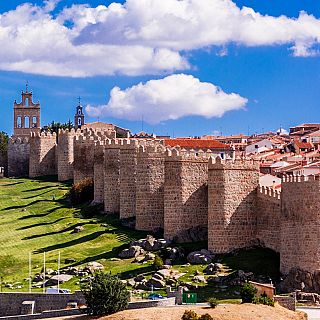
(303,145)
(196,143)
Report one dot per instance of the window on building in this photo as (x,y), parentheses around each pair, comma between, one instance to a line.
(222,155)
(26,122)
(34,122)
(79,111)
(27,102)
(19,122)
(79,122)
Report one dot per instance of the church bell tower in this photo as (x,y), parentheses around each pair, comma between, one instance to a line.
(79,116)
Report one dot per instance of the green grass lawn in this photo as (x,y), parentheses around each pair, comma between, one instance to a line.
(35,217)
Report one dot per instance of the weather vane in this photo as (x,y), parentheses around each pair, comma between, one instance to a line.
(79,99)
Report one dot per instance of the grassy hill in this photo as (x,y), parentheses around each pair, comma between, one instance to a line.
(35,217)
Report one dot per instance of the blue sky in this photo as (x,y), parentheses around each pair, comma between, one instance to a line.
(274,85)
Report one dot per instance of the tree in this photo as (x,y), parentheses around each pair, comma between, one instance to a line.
(248,293)
(4,138)
(105,294)
(55,126)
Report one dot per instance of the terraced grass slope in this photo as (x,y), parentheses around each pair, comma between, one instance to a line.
(36,217)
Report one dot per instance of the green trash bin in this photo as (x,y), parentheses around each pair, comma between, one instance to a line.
(189,298)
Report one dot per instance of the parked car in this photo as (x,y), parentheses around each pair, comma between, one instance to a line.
(56,290)
(155,296)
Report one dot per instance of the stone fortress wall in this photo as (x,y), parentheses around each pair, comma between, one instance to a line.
(190,195)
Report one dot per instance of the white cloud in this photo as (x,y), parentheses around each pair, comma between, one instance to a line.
(170,98)
(139,36)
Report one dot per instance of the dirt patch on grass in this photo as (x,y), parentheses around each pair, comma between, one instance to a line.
(222,312)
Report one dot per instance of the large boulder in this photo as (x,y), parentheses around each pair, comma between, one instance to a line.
(200,257)
(94,266)
(150,243)
(156,283)
(213,268)
(174,253)
(132,252)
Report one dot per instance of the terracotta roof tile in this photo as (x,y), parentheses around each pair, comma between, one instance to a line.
(196,143)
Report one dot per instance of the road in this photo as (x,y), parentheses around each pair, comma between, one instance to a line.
(313,313)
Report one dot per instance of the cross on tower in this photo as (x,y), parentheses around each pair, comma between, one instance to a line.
(27,85)
(79,99)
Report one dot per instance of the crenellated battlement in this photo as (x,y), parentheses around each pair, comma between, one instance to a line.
(269,192)
(43,135)
(19,140)
(233,164)
(300,178)
(178,154)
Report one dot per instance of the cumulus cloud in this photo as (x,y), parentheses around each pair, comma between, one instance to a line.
(170,98)
(139,36)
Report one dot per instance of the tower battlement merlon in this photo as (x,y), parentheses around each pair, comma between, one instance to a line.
(299,178)
(216,163)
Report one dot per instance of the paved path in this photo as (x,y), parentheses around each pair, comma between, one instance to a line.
(313,313)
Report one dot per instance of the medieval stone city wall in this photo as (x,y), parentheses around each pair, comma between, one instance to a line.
(83,166)
(18,157)
(300,223)
(128,178)
(232,201)
(269,218)
(111,174)
(65,154)
(43,155)
(98,171)
(150,187)
(185,193)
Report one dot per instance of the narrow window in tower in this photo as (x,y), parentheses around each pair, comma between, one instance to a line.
(79,122)
(19,122)
(26,122)
(27,102)
(79,112)
(34,122)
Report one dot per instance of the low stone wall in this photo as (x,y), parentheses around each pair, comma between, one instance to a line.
(47,314)
(152,303)
(11,303)
(286,302)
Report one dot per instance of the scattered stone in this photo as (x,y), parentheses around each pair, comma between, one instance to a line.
(175,253)
(49,271)
(200,257)
(62,278)
(94,266)
(149,256)
(139,278)
(199,279)
(131,282)
(132,252)
(213,268)
(156,283)
(78,229)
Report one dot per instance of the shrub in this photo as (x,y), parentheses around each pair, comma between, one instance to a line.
(248,292)
(213,302)
(158,262)
(264,300)
(205,317)
(105,294)
(82,191)
(189,315)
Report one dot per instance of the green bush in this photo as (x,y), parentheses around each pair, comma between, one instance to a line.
(189,315)
(105,294)
(248,293)
(158,262)
(264,300)
(213,302)
(205,317)
(82,191)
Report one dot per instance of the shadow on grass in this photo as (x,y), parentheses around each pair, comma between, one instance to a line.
(40,224)
(71,243)
(71,228)
(26,205)
(11,184)
(40,194)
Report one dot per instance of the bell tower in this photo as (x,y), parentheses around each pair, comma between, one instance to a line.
(79,116)
(26,115)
